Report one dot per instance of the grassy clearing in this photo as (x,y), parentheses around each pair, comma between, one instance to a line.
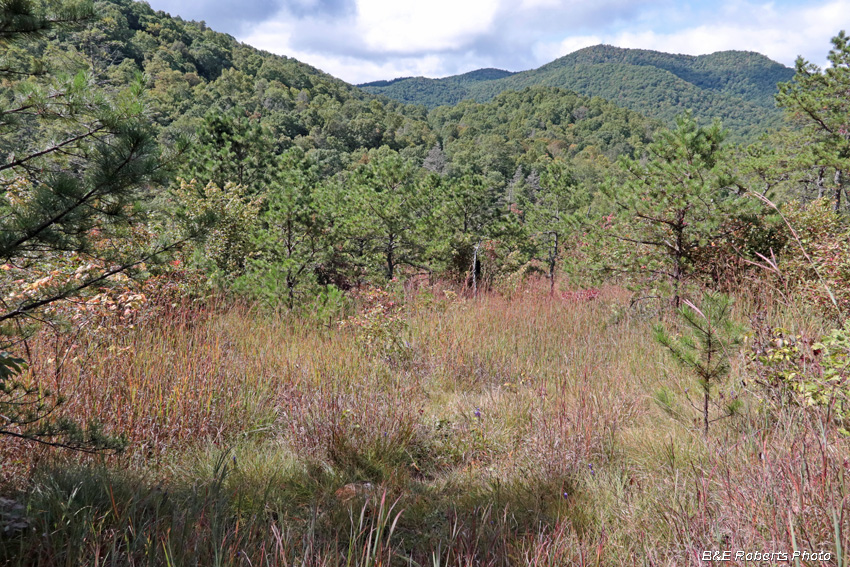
(494,431)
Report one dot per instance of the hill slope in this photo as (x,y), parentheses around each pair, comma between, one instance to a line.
(735,86)
(195,75)
(193,71)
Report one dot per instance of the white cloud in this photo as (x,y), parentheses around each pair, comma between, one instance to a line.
(548,51)
(274,36)
(780,33)
(411,27)
(384,39)
(356,70)
(535,4)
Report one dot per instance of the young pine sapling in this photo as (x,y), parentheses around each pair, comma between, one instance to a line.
(705,347)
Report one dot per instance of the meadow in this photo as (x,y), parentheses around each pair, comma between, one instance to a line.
(430,428)
(196,367)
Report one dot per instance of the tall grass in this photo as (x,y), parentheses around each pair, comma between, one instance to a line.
(521,431)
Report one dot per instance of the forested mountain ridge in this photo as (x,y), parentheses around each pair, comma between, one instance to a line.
(192,72)
(434,92)
(743,73)
(736,86)
(488,74)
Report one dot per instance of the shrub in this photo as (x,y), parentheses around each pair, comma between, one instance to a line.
(234,214)
(823,278)
(794,368)
(380,326)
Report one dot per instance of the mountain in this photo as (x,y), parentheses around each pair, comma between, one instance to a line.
(193,71)
(435,92)
(735,86)
(195,74)
(529,127)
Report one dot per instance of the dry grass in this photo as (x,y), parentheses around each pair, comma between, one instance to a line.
(516,431)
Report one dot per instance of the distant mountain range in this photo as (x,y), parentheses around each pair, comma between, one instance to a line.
(736,86)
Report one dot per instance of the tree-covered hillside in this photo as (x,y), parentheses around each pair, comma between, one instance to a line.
(536,124)
(191,70)
(737,87)
(434,92)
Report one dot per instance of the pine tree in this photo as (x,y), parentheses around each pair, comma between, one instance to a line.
(293,238)
(817,99)
(673,203)
(706,346)
(80,163)
(384,207)
(553,203)
(467,215)
(232,147)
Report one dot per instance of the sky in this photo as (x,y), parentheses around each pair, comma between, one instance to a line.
(367,40)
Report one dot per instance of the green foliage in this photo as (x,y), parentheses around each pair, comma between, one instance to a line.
(10,366)
(816,102)
(467,213)
(705,348)
(434,92)
(71,213)
(232,148)
(672,205)
(814,374)
(329,305)
(817,99)
(736,86)
(27,19)
(535,124)
(384,207)
(555,205)
(194,74)
(289,245)
(769,167)
(832,389)
(231,212)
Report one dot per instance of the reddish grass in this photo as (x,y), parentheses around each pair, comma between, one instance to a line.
(509,431)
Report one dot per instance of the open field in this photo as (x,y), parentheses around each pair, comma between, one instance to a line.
(488,431)
(251,315)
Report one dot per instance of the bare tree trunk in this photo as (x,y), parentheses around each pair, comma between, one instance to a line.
(819,183)
(475,269)
(678,259)
(290,285)
(390,260)
(837,180)
(553,259)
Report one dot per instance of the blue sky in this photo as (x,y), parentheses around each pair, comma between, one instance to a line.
(366,40)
